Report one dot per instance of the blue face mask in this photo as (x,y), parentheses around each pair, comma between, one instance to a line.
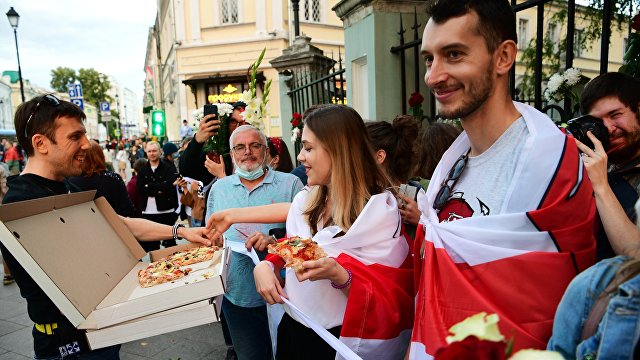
(250,175)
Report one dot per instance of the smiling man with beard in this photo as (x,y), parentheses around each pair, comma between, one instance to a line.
(615,174)
(53,135)
(507,205)
(252,184)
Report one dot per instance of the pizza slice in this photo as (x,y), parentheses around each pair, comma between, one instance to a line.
(192,256)
(161,272)
(296,250)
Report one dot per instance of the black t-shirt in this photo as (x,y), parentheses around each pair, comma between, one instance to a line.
(627,196)
(40,308)
(111,186)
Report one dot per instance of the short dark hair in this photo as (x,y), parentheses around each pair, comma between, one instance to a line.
(42,121)
(497,20)
(625,87)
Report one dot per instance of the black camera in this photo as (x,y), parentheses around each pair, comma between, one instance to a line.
(579,126)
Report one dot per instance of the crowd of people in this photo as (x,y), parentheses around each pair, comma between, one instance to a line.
(423,225)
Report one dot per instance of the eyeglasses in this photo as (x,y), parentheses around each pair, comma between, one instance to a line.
(253,147)
(50,99)
(454,174)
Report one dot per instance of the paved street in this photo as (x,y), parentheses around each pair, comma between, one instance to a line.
(203,342)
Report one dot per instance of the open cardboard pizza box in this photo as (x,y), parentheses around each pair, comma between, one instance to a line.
(86,260)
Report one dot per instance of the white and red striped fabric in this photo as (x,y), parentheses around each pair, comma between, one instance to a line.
(378,315)
(517,263)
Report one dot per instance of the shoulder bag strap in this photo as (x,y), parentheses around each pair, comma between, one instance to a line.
(599,308)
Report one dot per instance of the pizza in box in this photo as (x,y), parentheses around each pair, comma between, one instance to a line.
(173,267)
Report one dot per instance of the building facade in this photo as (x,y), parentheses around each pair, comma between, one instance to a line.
(199,51)
(372,29)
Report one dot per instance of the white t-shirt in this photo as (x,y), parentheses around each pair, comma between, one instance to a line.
(482,187)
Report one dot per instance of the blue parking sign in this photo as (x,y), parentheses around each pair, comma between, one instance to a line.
(105,106)
(74,90)
(79,102)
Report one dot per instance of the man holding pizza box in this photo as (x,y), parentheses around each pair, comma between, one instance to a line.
(52,133)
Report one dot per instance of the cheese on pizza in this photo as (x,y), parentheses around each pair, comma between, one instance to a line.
(192,256)
(160,272)
(172,268)
(295,250)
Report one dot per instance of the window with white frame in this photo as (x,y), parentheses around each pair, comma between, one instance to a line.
(229,12)
(523,33)
(310,10)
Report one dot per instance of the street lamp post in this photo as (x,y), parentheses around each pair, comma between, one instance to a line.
(13,20)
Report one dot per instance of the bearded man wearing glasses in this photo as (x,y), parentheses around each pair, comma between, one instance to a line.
(53,135)
(508,217)
(252,184)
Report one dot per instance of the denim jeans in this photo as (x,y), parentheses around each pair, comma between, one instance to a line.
(108,353)
(619,330)
(249,330)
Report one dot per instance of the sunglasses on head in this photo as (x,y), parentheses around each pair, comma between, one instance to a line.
(454,174)
(49,99)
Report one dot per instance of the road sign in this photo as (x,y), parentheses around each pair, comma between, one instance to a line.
(116,132)
(105,106)
(79,102)
(74,90)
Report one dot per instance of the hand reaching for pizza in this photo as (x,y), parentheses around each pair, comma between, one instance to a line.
(218,223)
(267,284)
(195,235)
(324,268)
(259,241)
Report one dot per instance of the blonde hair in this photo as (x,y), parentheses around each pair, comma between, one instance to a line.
(154,143)
(355,175)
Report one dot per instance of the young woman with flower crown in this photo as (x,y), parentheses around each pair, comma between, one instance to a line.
(362,292)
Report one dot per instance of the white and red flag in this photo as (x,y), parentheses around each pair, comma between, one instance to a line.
(517,263)
(377,316)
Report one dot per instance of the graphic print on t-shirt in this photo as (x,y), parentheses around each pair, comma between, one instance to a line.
(457,207)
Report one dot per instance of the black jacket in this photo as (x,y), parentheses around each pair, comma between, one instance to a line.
(191,163)
(158,184)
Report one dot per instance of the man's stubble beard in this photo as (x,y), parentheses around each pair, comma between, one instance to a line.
(631,149)
(478,90)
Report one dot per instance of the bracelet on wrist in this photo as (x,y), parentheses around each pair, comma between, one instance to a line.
(346,284)
(174,231)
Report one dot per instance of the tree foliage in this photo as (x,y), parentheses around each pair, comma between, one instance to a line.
(95,85)
(61,76)
(554,51)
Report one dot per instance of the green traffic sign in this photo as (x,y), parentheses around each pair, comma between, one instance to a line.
(158,123)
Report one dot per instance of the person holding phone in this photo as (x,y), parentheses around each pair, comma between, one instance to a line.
(193,162)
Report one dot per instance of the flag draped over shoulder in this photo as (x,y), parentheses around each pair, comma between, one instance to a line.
(517,263)
(379,309)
